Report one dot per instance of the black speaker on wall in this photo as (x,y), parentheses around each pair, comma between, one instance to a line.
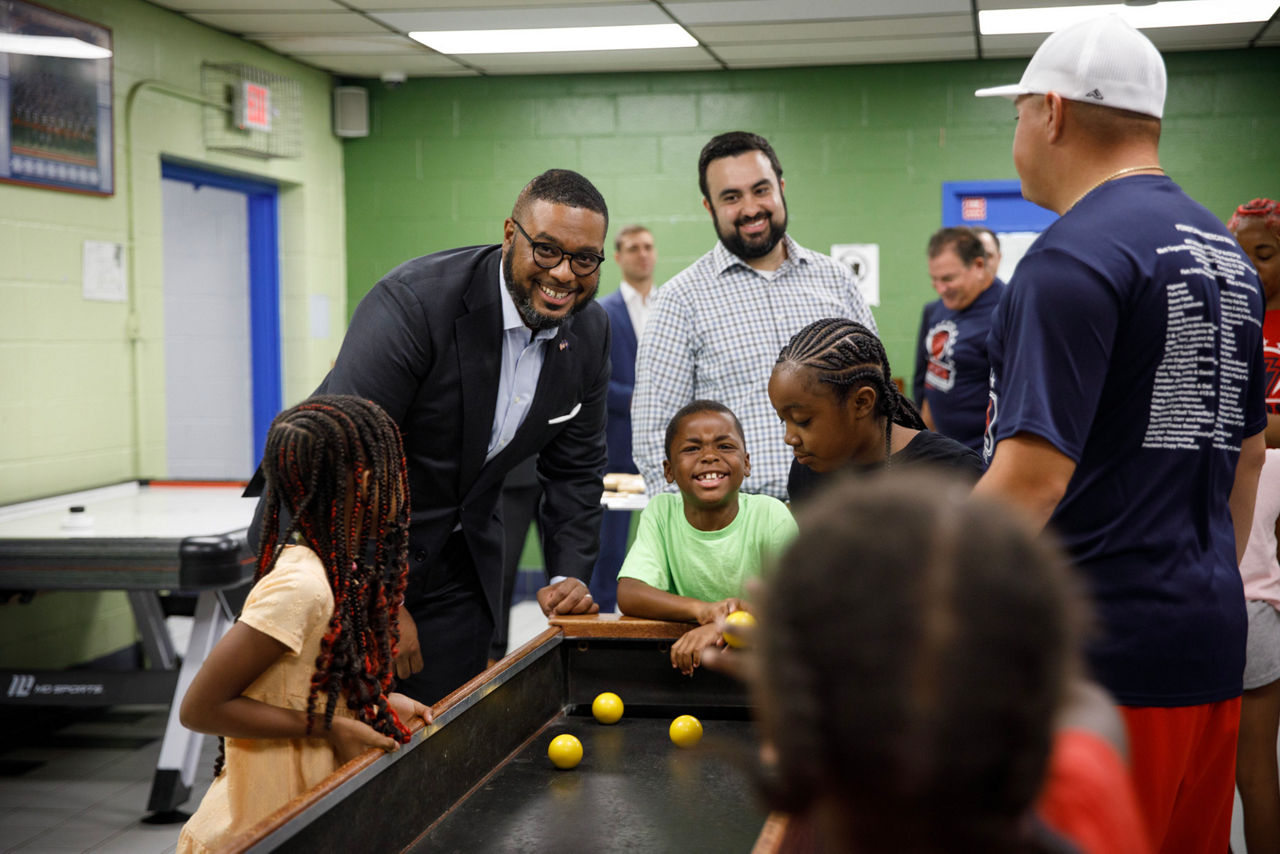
(350,111)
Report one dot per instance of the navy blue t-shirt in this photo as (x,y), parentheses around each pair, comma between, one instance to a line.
(1130,338)
(952,368)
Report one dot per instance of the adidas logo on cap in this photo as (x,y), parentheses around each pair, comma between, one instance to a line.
(1094,94)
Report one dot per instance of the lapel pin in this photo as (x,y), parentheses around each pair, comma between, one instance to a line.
(564,345)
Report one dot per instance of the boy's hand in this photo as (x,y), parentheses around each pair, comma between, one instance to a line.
(713,612)
(686,653)
(407,708)
(350,738)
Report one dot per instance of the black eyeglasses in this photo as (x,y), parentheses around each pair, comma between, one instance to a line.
(548,256)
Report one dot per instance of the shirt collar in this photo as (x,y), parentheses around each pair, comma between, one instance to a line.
(724,259)
(511,320)
(631,295)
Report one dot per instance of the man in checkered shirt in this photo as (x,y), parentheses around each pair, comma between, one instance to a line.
(715,329)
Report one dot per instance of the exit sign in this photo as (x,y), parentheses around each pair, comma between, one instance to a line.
(973,208)
(253,110)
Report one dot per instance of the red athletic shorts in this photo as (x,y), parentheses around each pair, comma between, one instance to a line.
(1183,762)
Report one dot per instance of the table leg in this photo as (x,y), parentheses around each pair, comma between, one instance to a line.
(156,642)
(180,750)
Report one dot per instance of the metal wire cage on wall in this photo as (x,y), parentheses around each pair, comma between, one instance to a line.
(263,117)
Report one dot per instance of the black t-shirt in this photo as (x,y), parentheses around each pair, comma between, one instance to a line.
(926,448)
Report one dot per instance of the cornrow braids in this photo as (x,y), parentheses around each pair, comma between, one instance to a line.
(915,728)
(1268,210)
(847,355)
(358,525)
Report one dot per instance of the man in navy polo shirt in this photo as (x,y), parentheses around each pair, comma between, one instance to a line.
(952,368)
(1127,412)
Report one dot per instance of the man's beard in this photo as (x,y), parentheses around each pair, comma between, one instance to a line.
(523,300)
(734,242)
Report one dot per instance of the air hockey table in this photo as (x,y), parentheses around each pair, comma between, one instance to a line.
(478,779)
(144,539)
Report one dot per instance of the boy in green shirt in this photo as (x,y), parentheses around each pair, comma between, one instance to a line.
(695,550)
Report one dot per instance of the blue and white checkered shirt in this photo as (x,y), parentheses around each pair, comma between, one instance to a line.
(714,332)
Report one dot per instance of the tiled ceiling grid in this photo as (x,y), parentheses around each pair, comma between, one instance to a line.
(367,38)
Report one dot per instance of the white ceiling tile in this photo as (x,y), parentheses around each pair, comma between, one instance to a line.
(752,11)
(371,44)
(188,6)
(414,65)
(835,52)
(522,17)
(943,25)
(282,23)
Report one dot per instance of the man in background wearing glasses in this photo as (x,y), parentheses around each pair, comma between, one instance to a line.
(485,356)
(716,329)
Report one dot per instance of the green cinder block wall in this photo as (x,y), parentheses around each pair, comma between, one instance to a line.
(864,150)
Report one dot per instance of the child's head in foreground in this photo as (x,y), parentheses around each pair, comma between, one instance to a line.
(706,453)
(915,646)
(335,463)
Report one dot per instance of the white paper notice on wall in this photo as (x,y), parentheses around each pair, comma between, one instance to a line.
(319,316)
(104,272)
(864,260)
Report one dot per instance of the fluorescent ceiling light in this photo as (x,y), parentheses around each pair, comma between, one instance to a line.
(1180,13)
(556,39)
(51,46)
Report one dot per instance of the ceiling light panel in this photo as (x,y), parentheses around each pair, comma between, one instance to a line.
(1182,13)
(557,39)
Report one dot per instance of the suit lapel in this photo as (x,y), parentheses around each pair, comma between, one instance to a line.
(479,336)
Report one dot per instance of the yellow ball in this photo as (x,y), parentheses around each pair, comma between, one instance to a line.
(565,751)
(607,708)
(733,624)
(686,731)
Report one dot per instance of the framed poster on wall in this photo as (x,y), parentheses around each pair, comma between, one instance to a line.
(55,100)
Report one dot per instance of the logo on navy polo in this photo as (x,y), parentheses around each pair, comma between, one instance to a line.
(940,343)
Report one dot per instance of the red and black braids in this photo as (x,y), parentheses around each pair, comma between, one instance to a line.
(358,525)
(1268,210)
(847,355)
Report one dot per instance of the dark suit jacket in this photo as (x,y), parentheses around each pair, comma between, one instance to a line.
(425,344)
(622,382)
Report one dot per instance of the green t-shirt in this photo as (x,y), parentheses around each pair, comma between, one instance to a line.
(672,555)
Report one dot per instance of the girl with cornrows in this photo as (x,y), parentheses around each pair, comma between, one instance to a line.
(831,387)
(299,685)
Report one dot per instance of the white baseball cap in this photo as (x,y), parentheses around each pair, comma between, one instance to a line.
(1103,61)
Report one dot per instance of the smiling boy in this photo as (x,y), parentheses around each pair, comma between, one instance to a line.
(695,549)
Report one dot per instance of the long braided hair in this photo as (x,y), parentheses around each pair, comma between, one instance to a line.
(847,355)
(925,724)
(336,465)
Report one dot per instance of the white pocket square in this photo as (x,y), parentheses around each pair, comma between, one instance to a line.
(560,419)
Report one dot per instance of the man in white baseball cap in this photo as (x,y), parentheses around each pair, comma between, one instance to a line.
(1127,414)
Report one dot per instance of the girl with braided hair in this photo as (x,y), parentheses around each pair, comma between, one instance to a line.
(931,701)
(299,685)
(1256,225)
(832,388)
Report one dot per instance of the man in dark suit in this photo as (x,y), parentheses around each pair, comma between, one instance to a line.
(485,356)
(628,308)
